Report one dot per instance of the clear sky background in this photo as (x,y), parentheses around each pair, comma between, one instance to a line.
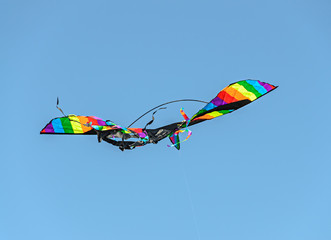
(262,172)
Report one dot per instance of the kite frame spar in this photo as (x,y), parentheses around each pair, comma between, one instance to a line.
(163,104)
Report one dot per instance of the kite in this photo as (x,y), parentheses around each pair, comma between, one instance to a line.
(231,98)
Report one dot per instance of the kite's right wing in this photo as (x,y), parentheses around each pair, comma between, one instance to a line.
(231,98)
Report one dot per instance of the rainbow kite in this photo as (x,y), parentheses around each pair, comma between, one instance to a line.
(231,98)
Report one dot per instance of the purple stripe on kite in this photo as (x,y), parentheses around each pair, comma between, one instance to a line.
(49,128)
(265,85)
(142,135)
(218,102)
(101,123)
(97,118)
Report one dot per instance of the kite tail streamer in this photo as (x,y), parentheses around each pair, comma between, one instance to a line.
(187,119)
(150,122)
(57,106)
(174,137)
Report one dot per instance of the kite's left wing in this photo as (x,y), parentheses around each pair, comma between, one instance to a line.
(73,124)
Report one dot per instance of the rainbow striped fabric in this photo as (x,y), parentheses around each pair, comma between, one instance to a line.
(232,97)
(73,124)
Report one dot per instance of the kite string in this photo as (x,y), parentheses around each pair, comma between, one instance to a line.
(188,190)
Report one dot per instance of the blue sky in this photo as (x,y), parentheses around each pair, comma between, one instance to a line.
(262,172)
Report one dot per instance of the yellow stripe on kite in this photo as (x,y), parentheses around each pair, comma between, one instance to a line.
(76,125)
(251,96)
(209,116)
(215,114)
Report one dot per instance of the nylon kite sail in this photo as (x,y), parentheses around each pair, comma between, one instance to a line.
(231,98)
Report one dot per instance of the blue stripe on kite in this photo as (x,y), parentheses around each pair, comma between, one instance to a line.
(257,86)
(57,125)
(209,106)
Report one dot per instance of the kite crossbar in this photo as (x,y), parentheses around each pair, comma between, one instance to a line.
(182,100)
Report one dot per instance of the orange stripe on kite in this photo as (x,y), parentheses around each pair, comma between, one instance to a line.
(228,98)
(83,121)
(235,94)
